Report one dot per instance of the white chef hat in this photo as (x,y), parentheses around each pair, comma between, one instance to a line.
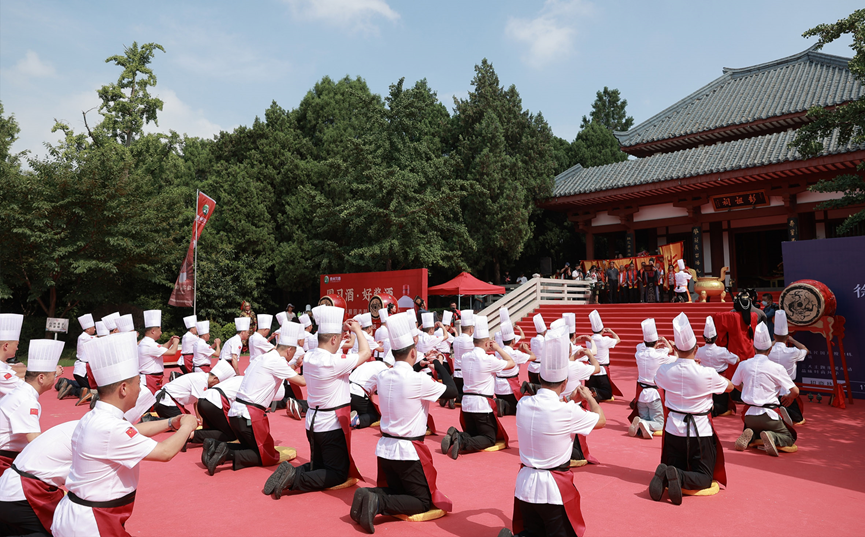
(110,321)
(447,317)
(202,327)
(281,318)
(223,370)
(540,327)
(400,330)
(559,324)
(507,331)
(439,332)
(329,319)
(388,358)
(264,320)
(125,323)
(10,326)
(482,330)
(413,319)
(557,350)
(152,318)
(429,319)
(498,337)
(467,318)
(241,323)
(305,320)
(86,321)
(537,346)
(43,355)
(190,321)
(504,315)
(291,334)
(114,358)
(681,263)
(781,328)
(143,404)
(762,339)
(685,338)
(709,331)
(101,329)
(365,320)
(571,321)
(382,315)
(650,331)
(595,319)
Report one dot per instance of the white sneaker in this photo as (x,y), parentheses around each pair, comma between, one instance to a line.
(355,421)
(635,424)
(293,409)
(645,431)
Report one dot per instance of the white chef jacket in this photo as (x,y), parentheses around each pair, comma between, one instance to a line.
(106,450)
(202,353)
(48,457)
(427,342)
(232,346)
(718,358)
(9,381)
(361,375)
(185,389)
(369,341)
(519,357)
(261,380)
(761,380)
(229,387)
(682,278)
(649,359)
(537,346)
(688,387)
(258,345)
(461,345)
(381,334)
(603,344)
(310,341)
(479,376)
(327,386)
(19,416)
(187,343)
(546,428)
(787,357)
(445,345)
(404,398)
(143,404)
(150,357)
(80,367)
(577,372)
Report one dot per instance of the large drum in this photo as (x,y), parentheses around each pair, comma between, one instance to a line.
(805,301)
(332,300)
(379,301)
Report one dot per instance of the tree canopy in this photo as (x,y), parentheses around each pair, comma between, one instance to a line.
(609,111)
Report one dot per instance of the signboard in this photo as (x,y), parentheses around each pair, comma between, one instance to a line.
(742,200)
(57,325)
(846,257)
(357,289)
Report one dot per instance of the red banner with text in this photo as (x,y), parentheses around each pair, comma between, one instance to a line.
(357,289)
(184,290)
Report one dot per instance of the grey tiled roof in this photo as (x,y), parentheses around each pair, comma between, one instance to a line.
(717,158)
(741,96)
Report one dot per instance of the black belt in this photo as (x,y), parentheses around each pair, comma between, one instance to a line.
(563,468)
(479,395)
(247,403)
(119,502)
(222,393)
(9,454)
(646,386)
(23,473)
(510,377)
(409,438)
(689,420)
(187,354)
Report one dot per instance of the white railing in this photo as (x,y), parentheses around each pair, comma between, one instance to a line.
(535,292)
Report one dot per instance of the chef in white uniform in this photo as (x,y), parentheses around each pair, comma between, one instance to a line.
(506,398)
(719,359)
(601,383)
(231,348)
(187,343)
(648,414)
(310,341)
(785,355)
(537,346)
(363,411)
(461,345)
(681,278)
(258,343)
(79,370)
(150,353)
(10,331)
(107,449)
(174,397)
(202,351)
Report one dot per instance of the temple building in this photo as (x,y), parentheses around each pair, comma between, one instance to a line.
(715,170)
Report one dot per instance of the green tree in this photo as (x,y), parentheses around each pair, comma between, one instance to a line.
(9,162)
(847,122)
(595,145)
(609,110)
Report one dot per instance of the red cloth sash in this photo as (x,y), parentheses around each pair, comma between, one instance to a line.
(439,500)
(179,406)
(111,521)
(261,431)
(187,362)
(719,473)
(501,434)
(42,497)
(616,390)
(296,391)
(449,363)
(154,382)
(6,462)
(570,501)
(584,443)
(343,414)
(90,378)
(514,382)
(777,411)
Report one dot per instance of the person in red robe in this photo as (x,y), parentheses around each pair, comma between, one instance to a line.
(736,332)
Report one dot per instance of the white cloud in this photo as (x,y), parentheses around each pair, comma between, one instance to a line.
(550,35)
(178,116)
(31,66)
(355,14)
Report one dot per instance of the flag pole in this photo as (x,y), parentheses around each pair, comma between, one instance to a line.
(195,256)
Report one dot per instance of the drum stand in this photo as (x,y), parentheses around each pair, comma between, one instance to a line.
(830,327)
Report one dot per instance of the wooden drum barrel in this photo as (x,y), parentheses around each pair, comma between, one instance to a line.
(806,301)
(332,300)
(379,301)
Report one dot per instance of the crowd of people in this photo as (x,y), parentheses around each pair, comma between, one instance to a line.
(357,376)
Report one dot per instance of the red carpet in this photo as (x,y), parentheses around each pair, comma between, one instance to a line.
(814,491)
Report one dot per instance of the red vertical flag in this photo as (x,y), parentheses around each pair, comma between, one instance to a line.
(184,289)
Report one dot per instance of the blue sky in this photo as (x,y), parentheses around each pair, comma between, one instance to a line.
(226,61)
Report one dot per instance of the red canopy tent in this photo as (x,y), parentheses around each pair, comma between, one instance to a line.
(466,284)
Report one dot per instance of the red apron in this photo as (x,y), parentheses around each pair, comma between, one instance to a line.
(187,362)
(205,368)
(154,382)
(616,390)
(514,382)
(634,412)
(501,434)
(719,473)
(343,414)
(90,378)
(584,443)
(111,521)
(449,363)
(570,500)
(296,391)
(261,431)
(787,424)
(179,406)
(439,500)
(42,497)
(6,460)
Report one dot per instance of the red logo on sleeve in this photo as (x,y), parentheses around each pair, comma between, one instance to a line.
(131,432)
(7,376)
(34,411)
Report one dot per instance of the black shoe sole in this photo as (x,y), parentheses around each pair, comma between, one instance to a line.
(286,480)
(674,488)
(656,486)
(368,513)
(357,504)
(454,450)
(274,479)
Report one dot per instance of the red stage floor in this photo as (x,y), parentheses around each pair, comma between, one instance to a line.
(814,491)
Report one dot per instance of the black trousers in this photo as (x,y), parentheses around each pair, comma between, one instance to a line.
(601,384)
(795,412)
(18,518)
(214,419)
(167,412)
(329,466)
(534,378)
(244,454)
(614,292)
(544,519)
(480,433)
(720,403)
(510,404)
(458,381)
(365,411)
(577,451)
(407,491)
(679,452)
